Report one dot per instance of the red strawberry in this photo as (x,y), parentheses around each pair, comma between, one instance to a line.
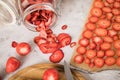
(84,41)
(56,56)
(112,33)
(62,36)
(97,40)
(51,74)
(99,62)
(100,32)
(92,45)
(72,44)
(14,44)
(107,39)
(66,41)
(91,54)
(23,48)
(39,40)
(64,27)
(43,47)
(12,64)
(79,59)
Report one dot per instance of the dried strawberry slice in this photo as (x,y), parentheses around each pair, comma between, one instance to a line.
(23,48)
(112,33)
(97,40)
(39,40)
(56,56)
(44,47)
(12,64)
(66,41)
(84,42)
(14,44)
(62,36)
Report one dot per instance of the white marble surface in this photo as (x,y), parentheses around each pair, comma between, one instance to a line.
(74,14)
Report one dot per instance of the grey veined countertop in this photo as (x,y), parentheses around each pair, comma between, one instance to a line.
(74,14)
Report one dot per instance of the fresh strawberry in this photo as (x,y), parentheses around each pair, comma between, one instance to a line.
(92,45)
(115,11)
(116,26)
(84,42)
(87,60)
(98,4)
(117,18)
(118,61)
(115,38)
(109,53)
(12,64)
(108,39)
(106,9)
(112,33)
(87,34)
(103,23)
(99,62)
(105,46)
(109,61)
(96,12)
(81,50)
(78,59)
(100,32)
(97,40)
(109,16)
(117,44)
(90,25)
(100,54)
(93,19)
(51,74)
(118,52)
(56,56)
(116,4)
(23,48)
(90,54)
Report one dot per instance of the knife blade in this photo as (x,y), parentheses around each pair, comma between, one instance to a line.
(68,72)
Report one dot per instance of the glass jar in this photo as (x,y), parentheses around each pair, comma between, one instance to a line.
(8,12)
(39,14)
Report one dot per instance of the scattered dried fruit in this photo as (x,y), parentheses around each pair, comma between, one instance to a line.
(12,64)
(56,56)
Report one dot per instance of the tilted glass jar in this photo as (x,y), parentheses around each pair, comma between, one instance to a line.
(38,13)
(8,12)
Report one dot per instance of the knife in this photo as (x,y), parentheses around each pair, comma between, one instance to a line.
(67,70)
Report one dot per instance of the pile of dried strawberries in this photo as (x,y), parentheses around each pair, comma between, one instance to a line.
(99,44)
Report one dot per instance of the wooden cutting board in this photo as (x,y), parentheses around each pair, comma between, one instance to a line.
(35,72)
(85,66)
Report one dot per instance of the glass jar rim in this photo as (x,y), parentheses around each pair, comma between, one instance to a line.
(11,12)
